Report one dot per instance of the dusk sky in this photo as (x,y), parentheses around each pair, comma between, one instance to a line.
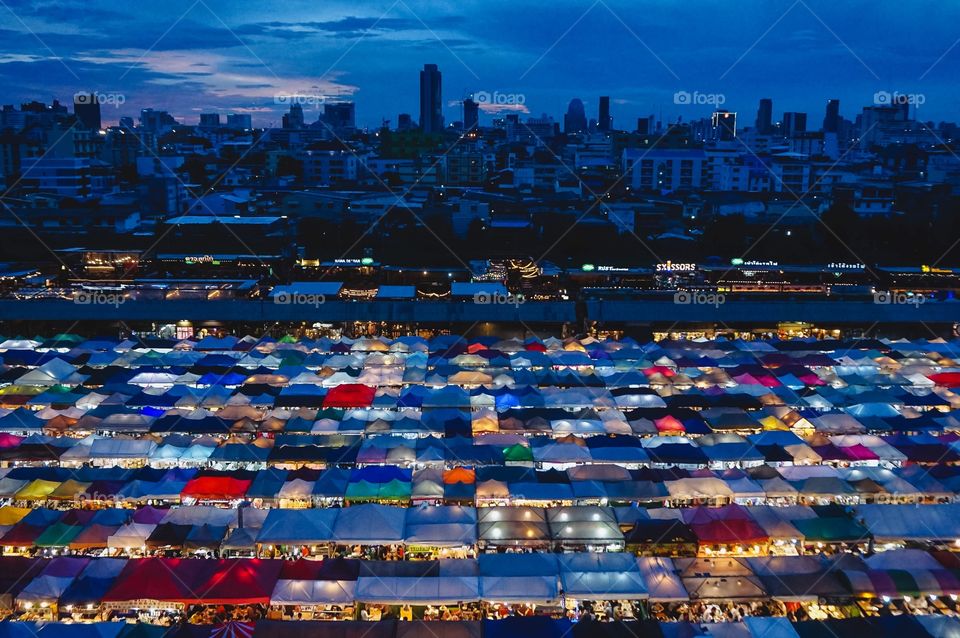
(193,56)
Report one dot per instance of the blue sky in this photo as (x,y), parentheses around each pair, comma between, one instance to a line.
(193,56)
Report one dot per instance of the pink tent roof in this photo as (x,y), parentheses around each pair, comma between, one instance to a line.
(859,452)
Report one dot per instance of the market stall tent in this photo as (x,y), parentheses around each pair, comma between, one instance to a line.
(519,578)
(442,582)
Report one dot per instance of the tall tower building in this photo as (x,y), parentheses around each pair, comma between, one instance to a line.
(471,114)
(241,121)
(794,123)
(765,116)
(831,120)
(431,104)
(294,119)
(209,120)
(340,115)
(86,106)
(575,120)
(724,125)
(604,122)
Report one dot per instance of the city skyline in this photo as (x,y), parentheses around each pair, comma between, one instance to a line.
(205,57)
(568,319)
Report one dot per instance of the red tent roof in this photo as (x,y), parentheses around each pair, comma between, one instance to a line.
(669,424)
(948,379)
(22,535)
(301,570)
(730,531)
(349,395)
(166,579)
(664,370)
(240,581)
(216,488)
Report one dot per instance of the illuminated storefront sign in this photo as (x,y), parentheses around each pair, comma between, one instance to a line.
(669,266)
(842,265)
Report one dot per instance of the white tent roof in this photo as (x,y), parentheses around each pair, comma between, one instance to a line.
(131,535)
(313,592)
(661,579)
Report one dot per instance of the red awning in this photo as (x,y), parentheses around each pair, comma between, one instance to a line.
(240,581)
(22,535)
(948,379)
(349,395)
(165,579)
(301,570)
(730,531)
(215,488)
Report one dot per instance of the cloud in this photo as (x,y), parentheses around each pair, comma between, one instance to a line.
(346,27)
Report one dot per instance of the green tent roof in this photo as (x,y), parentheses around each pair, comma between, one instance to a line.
(833,529)
(58,535)
(517,452)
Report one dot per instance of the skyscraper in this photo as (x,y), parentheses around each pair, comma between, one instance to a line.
(471,114)
(603,121)
(158,122)
(765,116)
(241,121)
(209,120)
(294,119)
(724,125)
(831,121)
(575,120)
(431,105)
(340,115)
(86,106)
(793,123)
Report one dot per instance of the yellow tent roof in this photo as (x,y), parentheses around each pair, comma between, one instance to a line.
(773,423)
(485,424)
(21,389)
(69,489)
(11,515)
(37,490)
